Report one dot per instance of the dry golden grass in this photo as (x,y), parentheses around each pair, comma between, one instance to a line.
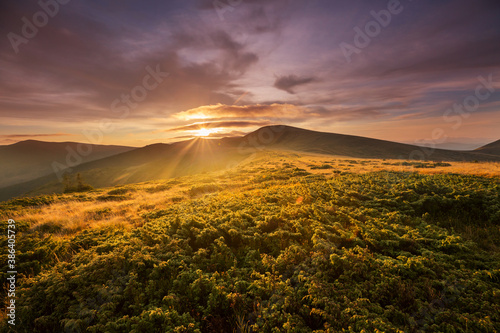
(73,216)
(358,165)
(122,207)
(103,208)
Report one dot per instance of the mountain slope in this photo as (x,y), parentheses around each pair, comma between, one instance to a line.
(31,159)
(158,161)
(292,138)
(492,148)
(161,161)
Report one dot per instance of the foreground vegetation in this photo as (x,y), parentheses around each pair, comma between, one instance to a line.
(263,249)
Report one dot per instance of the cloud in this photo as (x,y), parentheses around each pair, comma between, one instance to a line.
(251,17)
(219,124)
(210,4)
(93,52)
(230,134)
(234,57)
(245,111)
(13,138)
(26,136)
(348,113)
(80,63)
(287,83)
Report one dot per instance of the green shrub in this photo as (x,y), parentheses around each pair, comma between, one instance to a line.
(397,252)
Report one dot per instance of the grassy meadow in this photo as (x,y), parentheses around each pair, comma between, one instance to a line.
(283,242)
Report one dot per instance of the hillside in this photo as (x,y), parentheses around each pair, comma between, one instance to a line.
(158,161)
(162,161)
(297,139)
(492,148)
(266,247)
(28,160)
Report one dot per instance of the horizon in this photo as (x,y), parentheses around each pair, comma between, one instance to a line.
(445,146)
(129,74)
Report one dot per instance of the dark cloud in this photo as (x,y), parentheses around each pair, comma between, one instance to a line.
(478,55)
(211,4)
(437,38)
(251,16)
(287,83)
(88,64)
(235,58)
(351,112)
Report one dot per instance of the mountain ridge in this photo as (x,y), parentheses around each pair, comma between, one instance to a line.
(31,159)
(356,146)
(166,160)
(491,148)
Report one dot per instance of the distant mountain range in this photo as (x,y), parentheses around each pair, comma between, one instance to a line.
(27,166)
(28,160)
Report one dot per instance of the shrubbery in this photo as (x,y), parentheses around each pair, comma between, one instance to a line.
(397,252)
(75,185)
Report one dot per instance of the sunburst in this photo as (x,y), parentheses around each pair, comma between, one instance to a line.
(204,132)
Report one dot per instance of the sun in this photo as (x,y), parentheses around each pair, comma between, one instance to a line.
(204,132)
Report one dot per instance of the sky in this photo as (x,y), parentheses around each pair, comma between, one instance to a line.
(140,72)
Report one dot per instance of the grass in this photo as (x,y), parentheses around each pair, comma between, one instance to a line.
(280,243)
(125,204)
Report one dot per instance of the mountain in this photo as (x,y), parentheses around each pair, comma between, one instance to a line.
(492,148)
(31,159)
(161,161)
(297,139)
(158,161)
